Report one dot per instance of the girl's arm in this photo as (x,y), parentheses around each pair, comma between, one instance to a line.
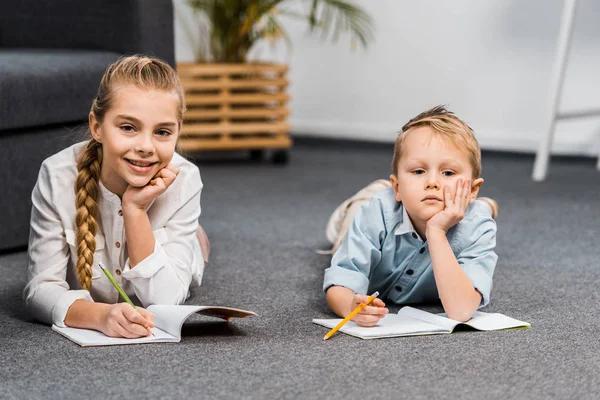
(138,230)
(47,294)
(162,262)
(117,320)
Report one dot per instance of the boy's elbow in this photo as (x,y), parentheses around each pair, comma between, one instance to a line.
(331,297)
(460,315)
(338,299)
(461,312)
(462,309)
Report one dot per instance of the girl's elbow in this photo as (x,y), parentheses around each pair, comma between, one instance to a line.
(172,299)
(174,290)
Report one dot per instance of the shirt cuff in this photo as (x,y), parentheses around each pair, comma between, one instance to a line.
(481,281)
(148,267)
(59,312)
(353,280)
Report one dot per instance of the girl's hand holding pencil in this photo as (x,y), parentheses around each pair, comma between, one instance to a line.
(122,320)
(125,319)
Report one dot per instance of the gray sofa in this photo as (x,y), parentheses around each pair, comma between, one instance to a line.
(52,56)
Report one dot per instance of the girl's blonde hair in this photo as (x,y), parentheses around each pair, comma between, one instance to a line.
(448,126)
(145,73)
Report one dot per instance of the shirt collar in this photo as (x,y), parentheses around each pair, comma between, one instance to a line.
(108,195)
(406,225)
(113,198)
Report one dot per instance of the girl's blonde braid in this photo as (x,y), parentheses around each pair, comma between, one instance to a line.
(88,213)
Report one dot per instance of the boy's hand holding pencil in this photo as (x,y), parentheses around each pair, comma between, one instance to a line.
(371,314)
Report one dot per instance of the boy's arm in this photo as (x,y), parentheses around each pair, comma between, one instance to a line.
(343,301)
(339,299)
(459,297)
(464,282)
(352,262)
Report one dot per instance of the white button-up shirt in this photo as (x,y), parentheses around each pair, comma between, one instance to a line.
(164,277)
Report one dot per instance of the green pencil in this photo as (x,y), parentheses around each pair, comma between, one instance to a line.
(121,291)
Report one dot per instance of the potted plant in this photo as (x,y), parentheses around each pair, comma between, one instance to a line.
(241,105)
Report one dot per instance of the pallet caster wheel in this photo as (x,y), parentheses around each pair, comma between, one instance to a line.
(256,155)
(280,157)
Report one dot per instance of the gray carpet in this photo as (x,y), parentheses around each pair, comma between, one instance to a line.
(265,222)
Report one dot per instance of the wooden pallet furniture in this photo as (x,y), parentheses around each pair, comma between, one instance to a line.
(235,107)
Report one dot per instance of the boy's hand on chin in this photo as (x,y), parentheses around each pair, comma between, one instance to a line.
(455,206)
(141,197)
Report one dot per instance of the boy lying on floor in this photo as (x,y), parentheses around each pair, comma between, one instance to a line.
(425,238)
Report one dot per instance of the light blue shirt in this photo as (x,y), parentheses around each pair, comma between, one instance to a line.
(382,252)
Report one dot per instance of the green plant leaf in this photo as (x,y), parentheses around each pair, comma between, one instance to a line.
(340,16)
(234,26)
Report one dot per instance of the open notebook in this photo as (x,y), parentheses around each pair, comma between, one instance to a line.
(410,321)
(168,320)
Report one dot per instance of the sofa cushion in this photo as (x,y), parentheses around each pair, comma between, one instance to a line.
(41,87)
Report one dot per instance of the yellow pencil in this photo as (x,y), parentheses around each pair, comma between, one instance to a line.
(351,315)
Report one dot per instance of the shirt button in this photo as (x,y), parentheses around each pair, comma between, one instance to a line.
(409,272)
(415,235)
(399,288)
(118,245)
(422,250)
(118,272)
(120,213)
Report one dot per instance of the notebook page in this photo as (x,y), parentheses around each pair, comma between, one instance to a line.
(391,325)
(440,320)
(170,318)
(494,321)
(89,337)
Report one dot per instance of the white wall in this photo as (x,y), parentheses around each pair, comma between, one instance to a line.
(489,61)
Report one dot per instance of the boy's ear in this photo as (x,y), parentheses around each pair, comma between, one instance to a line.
(394,181)
(475,186)
(94,127)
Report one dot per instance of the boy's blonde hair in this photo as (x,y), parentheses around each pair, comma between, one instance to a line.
(447,125)
(144,73)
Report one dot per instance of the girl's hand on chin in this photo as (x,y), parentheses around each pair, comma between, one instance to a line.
(141,197)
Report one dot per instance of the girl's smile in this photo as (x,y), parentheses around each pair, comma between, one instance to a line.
(138,136)
(141,167)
